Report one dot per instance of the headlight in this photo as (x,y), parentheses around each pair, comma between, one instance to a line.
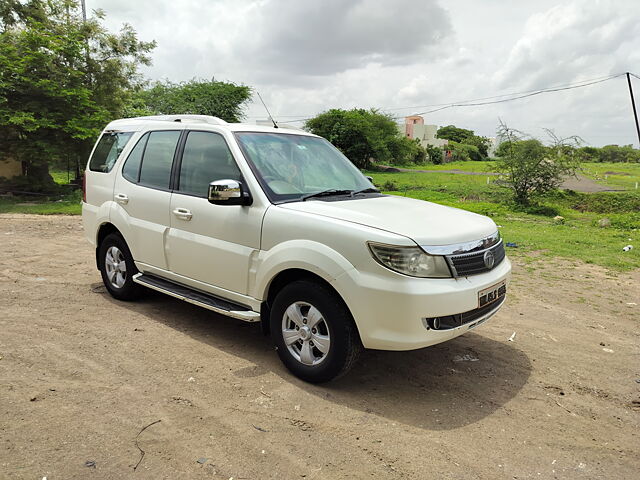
(410,261)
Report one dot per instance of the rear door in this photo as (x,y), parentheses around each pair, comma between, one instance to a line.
(210,243)
(142,196)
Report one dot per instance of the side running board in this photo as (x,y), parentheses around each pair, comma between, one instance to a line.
(202,299)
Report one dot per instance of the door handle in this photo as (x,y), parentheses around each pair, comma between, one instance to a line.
(183,214)
(122,199)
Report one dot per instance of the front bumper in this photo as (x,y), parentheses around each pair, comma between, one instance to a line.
(392,310)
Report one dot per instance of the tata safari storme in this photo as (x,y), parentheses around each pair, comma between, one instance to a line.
(277,226)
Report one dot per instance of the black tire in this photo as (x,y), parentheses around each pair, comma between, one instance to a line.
(128,290)
(337,321)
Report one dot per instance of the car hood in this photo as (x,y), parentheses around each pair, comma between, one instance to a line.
(424,222)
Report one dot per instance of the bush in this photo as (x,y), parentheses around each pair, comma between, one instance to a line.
(609,153)
(531,168)
(435,154)
(607,202)
(25,185)
(390,186)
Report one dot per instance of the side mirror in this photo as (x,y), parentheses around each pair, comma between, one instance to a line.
(228,192)
(369,178)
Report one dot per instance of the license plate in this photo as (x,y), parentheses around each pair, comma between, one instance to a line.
(492,293)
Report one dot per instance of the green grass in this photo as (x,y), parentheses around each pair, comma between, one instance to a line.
(624,176)
(460,186)
(486,166)
(60,205)
(61,177)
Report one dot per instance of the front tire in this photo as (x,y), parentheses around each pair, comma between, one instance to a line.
(117,268)
(313,331)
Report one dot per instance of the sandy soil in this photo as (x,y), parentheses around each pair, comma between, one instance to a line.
(81,374)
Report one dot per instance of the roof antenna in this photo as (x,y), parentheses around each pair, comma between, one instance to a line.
(275,125)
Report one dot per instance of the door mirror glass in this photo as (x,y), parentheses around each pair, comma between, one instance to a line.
(228,192)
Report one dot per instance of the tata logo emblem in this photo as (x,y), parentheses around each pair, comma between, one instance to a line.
(489,259)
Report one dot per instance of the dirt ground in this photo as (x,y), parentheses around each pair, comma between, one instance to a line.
(81,374)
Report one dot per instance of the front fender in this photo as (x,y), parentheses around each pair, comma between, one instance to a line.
(306,255)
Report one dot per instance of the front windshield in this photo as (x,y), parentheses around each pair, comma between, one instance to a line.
(290,167)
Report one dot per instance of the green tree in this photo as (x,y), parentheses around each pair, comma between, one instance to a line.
(220,99)
(532,168)
(618,154)
(588,154)
(466,137)
(61,81)
(365,135)
(461,152)
(435,154)
(453,133)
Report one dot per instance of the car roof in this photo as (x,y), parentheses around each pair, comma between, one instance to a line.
(199,121)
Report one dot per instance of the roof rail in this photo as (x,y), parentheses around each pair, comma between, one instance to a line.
(184,118)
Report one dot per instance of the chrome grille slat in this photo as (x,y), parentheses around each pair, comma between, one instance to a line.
(465,264)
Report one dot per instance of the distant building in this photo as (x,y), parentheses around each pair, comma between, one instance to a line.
(494,143)
(415,128)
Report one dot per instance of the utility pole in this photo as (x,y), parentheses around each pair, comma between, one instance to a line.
(633,104)
(84,11)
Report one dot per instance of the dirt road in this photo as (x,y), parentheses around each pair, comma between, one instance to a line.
(81,375)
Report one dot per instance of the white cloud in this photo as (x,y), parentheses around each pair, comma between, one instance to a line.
(305,57)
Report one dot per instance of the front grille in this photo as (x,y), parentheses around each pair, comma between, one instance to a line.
(453,321)
(474,263)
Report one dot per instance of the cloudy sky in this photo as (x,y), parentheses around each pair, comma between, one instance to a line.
(403,57)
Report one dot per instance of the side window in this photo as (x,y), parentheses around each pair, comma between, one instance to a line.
(108,150)
(206,158)
(131,168)
(158,158)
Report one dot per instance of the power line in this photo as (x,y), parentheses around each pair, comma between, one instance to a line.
(578,84)
(530,94)
(500,98)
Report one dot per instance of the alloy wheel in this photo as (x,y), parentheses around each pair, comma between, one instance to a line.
(305,333)
(115,266)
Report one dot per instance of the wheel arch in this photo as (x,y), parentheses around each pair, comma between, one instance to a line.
(284,278)
(105,229)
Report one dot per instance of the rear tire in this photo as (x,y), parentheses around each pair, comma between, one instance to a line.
(313,332)
(117,268)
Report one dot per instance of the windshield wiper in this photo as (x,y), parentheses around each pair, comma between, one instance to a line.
(327,193)
(366,190)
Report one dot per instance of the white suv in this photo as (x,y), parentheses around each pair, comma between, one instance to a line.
(276,226)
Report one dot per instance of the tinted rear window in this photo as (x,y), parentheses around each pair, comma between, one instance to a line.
(108,150)
(131,168)
(158,158)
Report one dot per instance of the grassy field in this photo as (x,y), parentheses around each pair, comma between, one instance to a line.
(615,175)
(64,204)
(55,205)
(487,166)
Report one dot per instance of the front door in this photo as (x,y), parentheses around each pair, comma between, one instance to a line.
(142,196)
(210,243)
